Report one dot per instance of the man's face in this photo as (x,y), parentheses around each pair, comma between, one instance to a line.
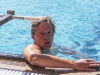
(43,36)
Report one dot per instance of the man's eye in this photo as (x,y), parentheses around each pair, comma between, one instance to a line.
(50,32)
(42,33)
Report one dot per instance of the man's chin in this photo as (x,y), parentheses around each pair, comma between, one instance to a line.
(47,47)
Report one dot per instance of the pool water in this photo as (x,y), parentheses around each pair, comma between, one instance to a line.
(77,26)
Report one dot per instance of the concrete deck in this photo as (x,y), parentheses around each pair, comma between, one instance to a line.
(21,67)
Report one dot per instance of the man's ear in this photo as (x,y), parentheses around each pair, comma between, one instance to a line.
(32,36)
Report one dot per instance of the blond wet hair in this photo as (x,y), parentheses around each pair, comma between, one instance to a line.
(40,20)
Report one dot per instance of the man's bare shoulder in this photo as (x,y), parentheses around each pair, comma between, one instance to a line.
(32,48)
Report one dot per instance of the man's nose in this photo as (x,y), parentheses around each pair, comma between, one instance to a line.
(46,36)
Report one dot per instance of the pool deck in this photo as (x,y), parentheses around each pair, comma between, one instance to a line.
(20,65)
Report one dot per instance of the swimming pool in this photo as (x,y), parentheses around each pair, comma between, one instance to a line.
(77,25)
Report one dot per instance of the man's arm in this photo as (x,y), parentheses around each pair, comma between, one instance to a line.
(35,57)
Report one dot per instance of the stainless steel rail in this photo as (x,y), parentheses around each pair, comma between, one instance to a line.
(11,15)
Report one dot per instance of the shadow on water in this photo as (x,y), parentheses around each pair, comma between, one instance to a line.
(90,47)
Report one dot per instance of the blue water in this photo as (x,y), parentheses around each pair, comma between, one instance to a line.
(77,25)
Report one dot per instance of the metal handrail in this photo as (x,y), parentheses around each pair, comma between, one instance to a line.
(22,17)
(11,15)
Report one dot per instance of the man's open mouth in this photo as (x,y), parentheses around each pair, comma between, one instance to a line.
(47,43)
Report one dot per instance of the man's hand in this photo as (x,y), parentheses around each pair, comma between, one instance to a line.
(86,65)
